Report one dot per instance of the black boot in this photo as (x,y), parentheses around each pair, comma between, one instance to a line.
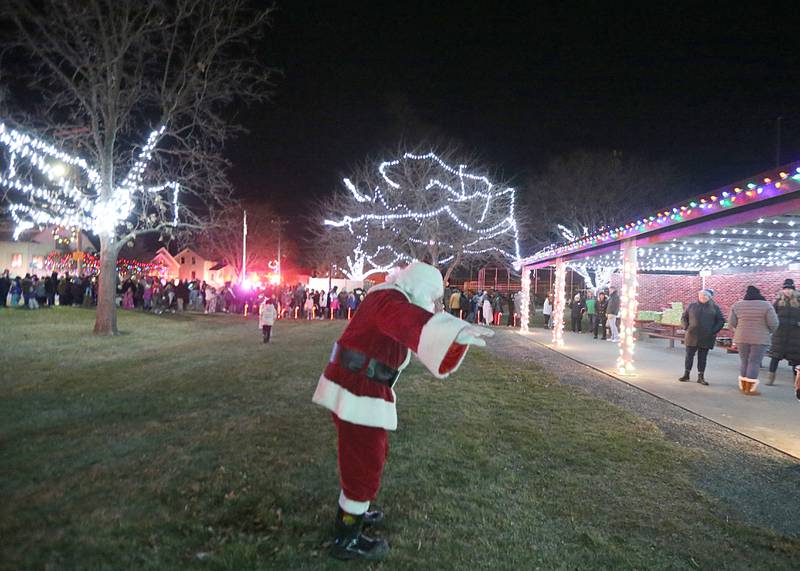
(373,518)
(701,379)
(685,377)
(350,543)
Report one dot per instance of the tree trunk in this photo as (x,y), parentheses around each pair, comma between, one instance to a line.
(451,267)
(105,322)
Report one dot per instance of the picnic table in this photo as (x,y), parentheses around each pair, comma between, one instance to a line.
(676,333)
(661,331)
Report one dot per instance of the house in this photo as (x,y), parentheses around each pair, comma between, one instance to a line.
(28,254)
(188,264)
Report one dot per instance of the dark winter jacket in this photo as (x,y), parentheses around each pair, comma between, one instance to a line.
(578,307)
(613,304)
(601,308)
(702,322)
(786,340)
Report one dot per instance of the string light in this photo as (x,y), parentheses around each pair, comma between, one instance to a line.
(62,202)
(629,304)
(525,300)
(90,265)
(470,188)
(697,208)
(559,303)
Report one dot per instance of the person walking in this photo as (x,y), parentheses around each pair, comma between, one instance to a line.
(547,311)
(267,314)
(753,320)
(611,314)
(786,339)
(600,314)
(702,320)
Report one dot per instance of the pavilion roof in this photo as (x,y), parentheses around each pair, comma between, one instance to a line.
(761,190)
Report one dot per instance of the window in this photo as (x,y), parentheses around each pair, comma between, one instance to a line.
(194,276)
(16,260)
(183,260)
(193,263)
(37,262)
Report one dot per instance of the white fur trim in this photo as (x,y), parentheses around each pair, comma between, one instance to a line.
(366,411)
(435,340)
(352,506)
(406,361)
(420,282)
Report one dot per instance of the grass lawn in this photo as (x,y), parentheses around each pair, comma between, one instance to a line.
(186,443)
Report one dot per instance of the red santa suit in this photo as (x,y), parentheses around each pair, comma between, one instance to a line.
(389,325)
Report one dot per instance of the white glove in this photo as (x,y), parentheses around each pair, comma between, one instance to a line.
(472,335)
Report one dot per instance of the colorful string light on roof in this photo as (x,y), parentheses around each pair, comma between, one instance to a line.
(740,194)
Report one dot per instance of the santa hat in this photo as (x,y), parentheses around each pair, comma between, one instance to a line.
(421,282)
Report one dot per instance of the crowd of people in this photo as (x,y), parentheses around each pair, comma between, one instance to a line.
(160,295)
(34,291)
(486,307)
(601,313)
(760,328)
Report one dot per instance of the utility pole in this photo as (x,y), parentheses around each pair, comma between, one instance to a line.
(279,222)
(244,248)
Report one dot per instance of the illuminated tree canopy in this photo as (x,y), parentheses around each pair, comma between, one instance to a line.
(419,207)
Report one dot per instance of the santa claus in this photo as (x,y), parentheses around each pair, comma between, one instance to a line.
(357,386)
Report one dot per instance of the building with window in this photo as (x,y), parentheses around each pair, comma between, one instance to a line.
(28,254)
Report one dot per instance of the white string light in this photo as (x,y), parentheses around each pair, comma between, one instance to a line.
(470,188)
(63,203)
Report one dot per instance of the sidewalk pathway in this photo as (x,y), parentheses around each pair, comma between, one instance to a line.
(773,418)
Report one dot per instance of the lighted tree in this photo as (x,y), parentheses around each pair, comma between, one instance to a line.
(107,74)
(421,206)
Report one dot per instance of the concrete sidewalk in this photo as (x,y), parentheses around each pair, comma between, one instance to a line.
(772,418)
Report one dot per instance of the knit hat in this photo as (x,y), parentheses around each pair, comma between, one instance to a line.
(708,292)
(788,283)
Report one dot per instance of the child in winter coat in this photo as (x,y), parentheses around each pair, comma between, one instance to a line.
(267,313)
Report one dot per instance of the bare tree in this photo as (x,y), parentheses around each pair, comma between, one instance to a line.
(585,191)
(110,71)
(422,206)
(588,190)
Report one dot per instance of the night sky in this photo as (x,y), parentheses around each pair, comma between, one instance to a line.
(700,89)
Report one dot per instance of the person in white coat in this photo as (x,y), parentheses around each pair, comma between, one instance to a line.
(267,313)
(488,314)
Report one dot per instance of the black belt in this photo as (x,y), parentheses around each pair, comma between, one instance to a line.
(358,362)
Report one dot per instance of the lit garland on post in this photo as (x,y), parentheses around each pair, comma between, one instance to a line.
(559,303)
(62,202)
(525,310)
(454,207)
(628,306)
